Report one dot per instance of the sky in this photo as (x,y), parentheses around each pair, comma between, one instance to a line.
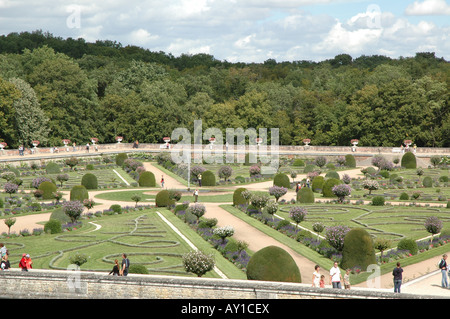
(245,30)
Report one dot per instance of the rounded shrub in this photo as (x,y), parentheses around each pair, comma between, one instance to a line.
(282,180)
(409,160)
(237,197)
(328,186)
(273,264)
(298,162)
(305,196)
(147,179)
(309,168)
(79,192)
(208,178)
(89,181)
(52,168)
(60,215)
(116,208)
(162,199)
(332,174)
(138,269)
(53,226)
(350,160)
(120,158)
(404,196)
(317,184)
(427,181)
(48,188)
(378,201)
(358,249)
(408,244)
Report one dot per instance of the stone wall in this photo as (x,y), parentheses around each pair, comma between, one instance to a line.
(43,284)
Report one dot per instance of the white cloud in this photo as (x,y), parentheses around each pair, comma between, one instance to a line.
(142,37)
(428,7)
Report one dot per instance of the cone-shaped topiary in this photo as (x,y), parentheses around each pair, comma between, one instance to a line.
(358,249)
(89,181)
(409,160)
(273,264)
(147,179)
(282,180)
(237,197)
(305,196)
(79,192)
(208,178)
(48,188)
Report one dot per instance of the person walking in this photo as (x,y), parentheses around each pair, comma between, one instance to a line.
(4,265)
(397,273)
(116,269)
(443,267)
(316,277)
(23,263)
(347,279)
(335,276)
(162,181)
(195,196)
(199,177)
(125,265)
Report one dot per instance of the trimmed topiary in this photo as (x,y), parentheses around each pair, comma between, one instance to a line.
(332,174)
(147,179)
(138,269)
(208,178)
(52,168)
(409,160)
(79,192)
(358,249)
(120,158)
(273,264)
(53,226)
(116,208)
(162,199)
(305,196)
(404,196)
(298,162)
(89,181)
(60,215)
(282,180)
(427,181)
(309,168)
(328,185)
(317,184)
(350,160)
(378,201)
(408,244)
(48,188)
(237,197)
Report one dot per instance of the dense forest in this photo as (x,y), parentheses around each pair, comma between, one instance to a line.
(53,88)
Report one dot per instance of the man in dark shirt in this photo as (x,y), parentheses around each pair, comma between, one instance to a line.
(397,273)
(443,268)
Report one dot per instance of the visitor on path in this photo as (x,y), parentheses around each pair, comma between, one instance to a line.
(443,267)
(87,148)
(335,276)
(307,182)
(116,269)
(21,150)
(195,196)
(3,250)
(74,146)
(322,281)
(298,187)
(347,279)
(199,177)
(162,181)
(316,277)
(23,263)
(397,273)
(136,144)
(125,265)
(4,265)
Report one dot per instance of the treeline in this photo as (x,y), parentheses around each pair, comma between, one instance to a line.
(53,88)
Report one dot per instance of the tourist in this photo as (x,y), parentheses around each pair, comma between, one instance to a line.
(298,187)
(316,277)
(21,150)
(87,148)
(397,273)
(4,265)
(347,279)
(322,281)
(335,276)
(116,269)
(125,265)
(199,177)
(136,144)
(195,196)
(3,250)
(162,181)
(74,145)
(443,267)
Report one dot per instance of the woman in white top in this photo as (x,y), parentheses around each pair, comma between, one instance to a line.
(316,277)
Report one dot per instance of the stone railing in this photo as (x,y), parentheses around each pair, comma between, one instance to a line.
(44,284)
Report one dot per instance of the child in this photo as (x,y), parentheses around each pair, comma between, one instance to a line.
(347,279)
(322,281)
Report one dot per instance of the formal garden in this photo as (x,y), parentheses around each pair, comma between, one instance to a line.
(402,208)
